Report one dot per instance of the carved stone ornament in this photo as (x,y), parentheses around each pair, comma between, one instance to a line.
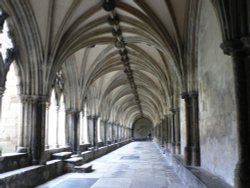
(108,5)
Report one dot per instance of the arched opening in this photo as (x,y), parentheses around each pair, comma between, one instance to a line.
(141,128)
(56,122)
(11,113)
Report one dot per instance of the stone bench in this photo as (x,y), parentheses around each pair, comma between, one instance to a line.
(62,155)
(85,168)
(91,148)
(72,162)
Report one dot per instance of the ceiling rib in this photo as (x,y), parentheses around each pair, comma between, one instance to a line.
(113,19)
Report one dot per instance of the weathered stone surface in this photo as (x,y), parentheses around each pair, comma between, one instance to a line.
(216,100)
(31,176)
(13,161)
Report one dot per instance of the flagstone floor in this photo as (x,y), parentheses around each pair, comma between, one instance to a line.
(136,165)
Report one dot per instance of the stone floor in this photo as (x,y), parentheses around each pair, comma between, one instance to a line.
(138,164)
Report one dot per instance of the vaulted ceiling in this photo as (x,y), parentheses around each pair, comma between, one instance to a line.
(124,57)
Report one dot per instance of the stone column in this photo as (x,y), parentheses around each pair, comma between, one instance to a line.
(33,126)
(188,147)
(112,133)
(47,126)
(169,133)
(68,126)
(72,129)
(164,129)
(195,128)
(173,141)
(105,122)
(161,134)
(192,149)
(118,132)
(241,69)
(95,139)
(177,132)
(90,130)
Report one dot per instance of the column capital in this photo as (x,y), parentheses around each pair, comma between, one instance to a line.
(230,47)
(71,111)
(43,99)
(184,95)
(188,94)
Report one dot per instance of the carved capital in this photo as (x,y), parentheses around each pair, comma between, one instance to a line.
(41,99)
(232,46)
(193,93)
(184,95)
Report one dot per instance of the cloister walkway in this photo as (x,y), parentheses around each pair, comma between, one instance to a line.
(138,164)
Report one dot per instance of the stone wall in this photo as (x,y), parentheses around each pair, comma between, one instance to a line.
(13,161)
(216,99)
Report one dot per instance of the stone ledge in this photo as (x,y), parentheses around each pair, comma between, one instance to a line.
(74,160)
(62,155)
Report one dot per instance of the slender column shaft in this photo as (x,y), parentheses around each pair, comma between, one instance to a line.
(173,139)
(195,129)
(105,131)
(95,141)
(177,132)
(188,147)
(47,126)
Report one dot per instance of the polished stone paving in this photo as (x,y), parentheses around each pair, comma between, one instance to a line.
(136,165)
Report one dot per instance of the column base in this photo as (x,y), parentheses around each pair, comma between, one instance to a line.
(177,149)
(242,175)
(196,156)
(188,155)
(173,148)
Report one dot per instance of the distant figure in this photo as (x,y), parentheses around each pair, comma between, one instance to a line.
(149,136)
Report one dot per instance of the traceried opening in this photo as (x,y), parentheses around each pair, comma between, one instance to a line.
(5,40)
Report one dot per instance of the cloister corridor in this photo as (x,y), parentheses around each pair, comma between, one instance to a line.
(140,164)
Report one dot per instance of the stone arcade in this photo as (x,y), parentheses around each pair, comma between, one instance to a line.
(81,78)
